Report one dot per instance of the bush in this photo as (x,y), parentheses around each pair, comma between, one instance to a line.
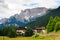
(29,33)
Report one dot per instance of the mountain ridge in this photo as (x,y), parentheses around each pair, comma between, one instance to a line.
(25,16)
(43,20)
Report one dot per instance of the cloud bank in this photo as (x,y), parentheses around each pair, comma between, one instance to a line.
(11,7)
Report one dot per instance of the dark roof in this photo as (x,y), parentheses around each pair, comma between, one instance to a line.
(21,28)
(39,28)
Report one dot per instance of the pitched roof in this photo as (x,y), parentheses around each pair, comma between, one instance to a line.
(39,28)
(21,28)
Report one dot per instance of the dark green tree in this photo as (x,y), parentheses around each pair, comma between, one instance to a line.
(6,30)
(12,32)
(1,32)
(29,32)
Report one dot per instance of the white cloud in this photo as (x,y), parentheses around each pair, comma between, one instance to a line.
(11,7)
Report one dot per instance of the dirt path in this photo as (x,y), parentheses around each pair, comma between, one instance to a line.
(52,34)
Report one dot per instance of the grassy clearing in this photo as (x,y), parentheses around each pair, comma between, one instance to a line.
(32,38)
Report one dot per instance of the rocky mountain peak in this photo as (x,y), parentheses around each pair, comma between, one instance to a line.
(26,15)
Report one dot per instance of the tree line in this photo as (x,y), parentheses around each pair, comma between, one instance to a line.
(53,24)
(10,31)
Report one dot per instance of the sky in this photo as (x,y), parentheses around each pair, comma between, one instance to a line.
(11,7)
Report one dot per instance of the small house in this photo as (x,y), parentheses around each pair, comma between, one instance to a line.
(37,30)
(21,30)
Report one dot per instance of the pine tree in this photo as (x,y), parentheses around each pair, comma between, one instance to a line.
(57,26)
(12,32)
(50,25)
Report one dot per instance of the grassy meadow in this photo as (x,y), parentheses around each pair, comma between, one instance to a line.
(31,38)
(40,37)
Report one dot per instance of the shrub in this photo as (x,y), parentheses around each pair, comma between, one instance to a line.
(29,33)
